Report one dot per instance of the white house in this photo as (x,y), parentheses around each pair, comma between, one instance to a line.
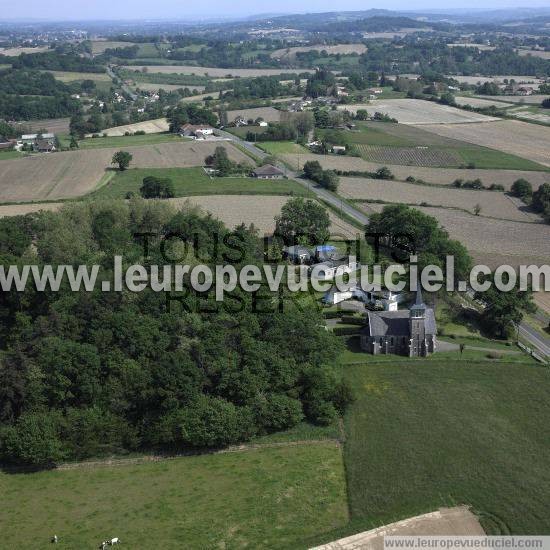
(384,299)
(196,131)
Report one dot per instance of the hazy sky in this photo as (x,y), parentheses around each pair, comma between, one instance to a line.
(179,9)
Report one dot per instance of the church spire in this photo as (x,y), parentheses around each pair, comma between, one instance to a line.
(419,300)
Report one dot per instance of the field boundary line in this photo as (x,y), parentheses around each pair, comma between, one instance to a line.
(146,459)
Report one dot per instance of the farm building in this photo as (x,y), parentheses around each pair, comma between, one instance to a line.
(411,333)
(331,268)
(268,172)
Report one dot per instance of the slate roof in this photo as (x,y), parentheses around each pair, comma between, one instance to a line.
(268,170)
(395,323)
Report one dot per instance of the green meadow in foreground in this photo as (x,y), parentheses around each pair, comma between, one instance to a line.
(194,181)
(267,498)
(422,435)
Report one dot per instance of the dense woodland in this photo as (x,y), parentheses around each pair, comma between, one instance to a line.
(83,374)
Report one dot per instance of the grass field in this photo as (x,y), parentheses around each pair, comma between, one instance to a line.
(270,498)
(281,147)
(68,76)
(5,155)
(193,181)
(127,141)
(422,435)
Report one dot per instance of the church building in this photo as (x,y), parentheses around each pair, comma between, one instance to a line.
(404,332)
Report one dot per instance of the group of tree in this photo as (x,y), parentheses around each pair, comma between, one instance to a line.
(223,165)
(325,178)
(86,374)
(303,222)
(122,159)
(57,61)
(190,114)
(157,188)
(319,83)
(541,201)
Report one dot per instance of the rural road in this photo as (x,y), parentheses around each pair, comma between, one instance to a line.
(535,339)
(321,193)
(126,90)
(532,336)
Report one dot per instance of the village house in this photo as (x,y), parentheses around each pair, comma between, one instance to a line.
(339,149)
(268,172)
(407,332)
(41,143)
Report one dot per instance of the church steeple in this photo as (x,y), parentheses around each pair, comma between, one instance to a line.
(418,309)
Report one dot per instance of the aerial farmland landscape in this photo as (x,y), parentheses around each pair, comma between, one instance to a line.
(274,276)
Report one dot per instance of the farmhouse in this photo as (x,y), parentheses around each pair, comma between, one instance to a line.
(329,269)
(197,132)
(297,254)
(411,333)
(268,172)
(339,149)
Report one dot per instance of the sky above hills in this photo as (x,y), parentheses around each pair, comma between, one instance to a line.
(181,9)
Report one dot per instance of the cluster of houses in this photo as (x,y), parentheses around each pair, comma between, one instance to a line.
(38,143)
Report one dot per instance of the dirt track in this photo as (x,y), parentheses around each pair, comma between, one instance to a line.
(446,521)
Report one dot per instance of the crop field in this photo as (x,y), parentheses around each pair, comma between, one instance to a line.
(14,52)
(440,176)
(530,141)
(149,127)
(128,141)
(214,72)
(534,53)
(492,203)
(531,81)
(480,47)
(267,497)
(426,434)
(69,76)
(150,87)
(410,156)
(481,102)
(199,97)
(9,210)
(54,125)
(535,99)
(418,111)
(75,173)
(234,210)
(194,181)
(99,46)
(269,114)
(491,242)
(343,49)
